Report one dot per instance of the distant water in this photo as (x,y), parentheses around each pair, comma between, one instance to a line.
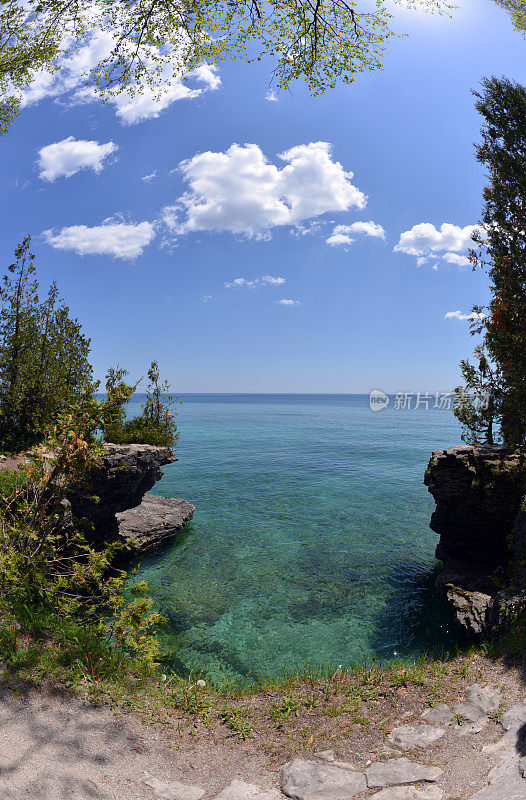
(310,540)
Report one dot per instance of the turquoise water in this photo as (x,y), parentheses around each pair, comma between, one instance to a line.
(310,540)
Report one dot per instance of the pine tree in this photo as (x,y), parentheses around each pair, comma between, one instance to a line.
(44,362)
(501,241)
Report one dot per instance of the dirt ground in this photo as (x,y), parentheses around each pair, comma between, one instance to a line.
(54,746)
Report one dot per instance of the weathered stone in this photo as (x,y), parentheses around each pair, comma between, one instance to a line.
(468,728)
(485,698)
(325,755)
(120,479)
(155,521)
(471,608)
(309,780)
(514,718)
(468,711)
(111,498)
(398,771)
(439,715)
(409,793)
(238,790)
(174,790)
(478,493)
(506,782)
(409,736)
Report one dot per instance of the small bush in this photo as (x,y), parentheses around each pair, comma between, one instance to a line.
(138,431)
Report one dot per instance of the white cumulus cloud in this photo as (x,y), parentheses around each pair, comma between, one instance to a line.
(242,192)
(67,157)
(113,238)
(463,317)
(150,177)
(289,303)
(456,258)
(131,106)
(448,242)
(340,234)
(339,239)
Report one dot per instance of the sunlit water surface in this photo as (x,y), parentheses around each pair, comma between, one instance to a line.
(310,540)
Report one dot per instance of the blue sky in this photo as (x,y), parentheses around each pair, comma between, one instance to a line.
(144,263)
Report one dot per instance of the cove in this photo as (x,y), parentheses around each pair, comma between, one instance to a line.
(310,541)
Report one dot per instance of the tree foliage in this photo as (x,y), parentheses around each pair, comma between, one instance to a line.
(477,402)
(324,42)
(45,560)
(44,363)
(501,251)
(156,423)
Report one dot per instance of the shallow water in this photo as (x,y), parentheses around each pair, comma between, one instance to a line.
(310,541)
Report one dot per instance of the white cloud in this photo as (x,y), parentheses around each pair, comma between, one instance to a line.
(241,192)
(271,97)
(118,239)
(339,239)
(448,243)
(273,281)
(205,298)
(67,157)
(340,235)
(150,177)
(455,258)
(288,302)
(130,105)
(368,228)
(462,317)
(268,280)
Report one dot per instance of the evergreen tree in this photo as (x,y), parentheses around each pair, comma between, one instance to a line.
(44,363)
(501,247)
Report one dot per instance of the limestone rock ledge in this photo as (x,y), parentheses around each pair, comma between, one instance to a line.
(155,521)
(479,494)
(117,484)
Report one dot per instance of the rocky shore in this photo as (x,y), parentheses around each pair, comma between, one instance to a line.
(480,518)
(113,498)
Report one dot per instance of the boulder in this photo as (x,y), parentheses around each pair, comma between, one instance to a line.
(154,522)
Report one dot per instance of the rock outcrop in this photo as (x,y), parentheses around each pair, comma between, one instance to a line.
(155,521)
(117,484)
(479,495)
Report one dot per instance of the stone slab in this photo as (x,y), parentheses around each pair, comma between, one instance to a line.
(155,521)
(439,715)
(398,771)
(409,793)
(239,790)
(409,736)
(309,780)
(173,790)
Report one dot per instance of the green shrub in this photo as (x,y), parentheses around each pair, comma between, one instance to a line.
(139,431)
(11,481)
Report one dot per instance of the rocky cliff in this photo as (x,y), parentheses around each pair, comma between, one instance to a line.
(479,495)
(118,483)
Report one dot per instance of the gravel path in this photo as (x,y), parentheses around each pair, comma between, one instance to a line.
(53,748)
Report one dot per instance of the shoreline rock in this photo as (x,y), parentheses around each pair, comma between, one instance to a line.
(479,493)
(154,522)
(113,501)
